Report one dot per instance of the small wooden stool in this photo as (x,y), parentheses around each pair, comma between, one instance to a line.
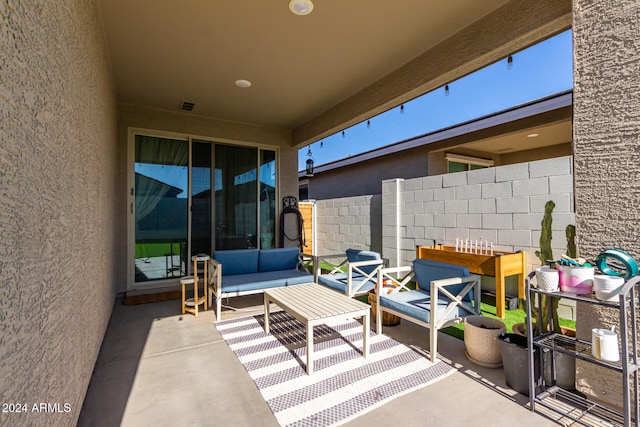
(191,305)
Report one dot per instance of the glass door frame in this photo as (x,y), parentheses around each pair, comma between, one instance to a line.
(132,285)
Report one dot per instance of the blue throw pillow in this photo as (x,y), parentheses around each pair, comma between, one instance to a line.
(355,255)
(237,261)
(428,271)
(278,259)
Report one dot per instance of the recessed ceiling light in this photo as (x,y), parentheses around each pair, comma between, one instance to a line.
(243,83)
(532,135)
(301,7)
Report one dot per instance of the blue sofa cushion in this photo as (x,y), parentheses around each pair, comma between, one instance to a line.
(427,271)
(417,304)
(278,259)
(355,255)
(265,280)
(339,282)
(237,261)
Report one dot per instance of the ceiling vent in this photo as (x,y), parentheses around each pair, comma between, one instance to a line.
(186,106)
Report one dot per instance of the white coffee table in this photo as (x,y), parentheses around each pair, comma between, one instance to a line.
(314,304)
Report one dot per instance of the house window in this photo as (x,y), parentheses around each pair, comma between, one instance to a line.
(461,163)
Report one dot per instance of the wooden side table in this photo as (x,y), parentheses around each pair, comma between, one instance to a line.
(190,305)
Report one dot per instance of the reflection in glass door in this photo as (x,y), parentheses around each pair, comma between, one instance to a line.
(160,183)
(236,197)
(201,198)
(267,199)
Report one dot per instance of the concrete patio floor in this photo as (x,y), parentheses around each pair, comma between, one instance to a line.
(158,367)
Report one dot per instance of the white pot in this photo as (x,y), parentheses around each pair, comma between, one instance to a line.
(547,279)
(607,288)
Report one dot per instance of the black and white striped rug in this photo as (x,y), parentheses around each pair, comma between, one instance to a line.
(343,385)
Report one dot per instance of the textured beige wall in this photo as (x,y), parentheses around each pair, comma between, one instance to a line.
(606,130)
(184,123)
(57,179)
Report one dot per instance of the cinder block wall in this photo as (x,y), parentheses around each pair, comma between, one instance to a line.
(606,131)
(349,222)
(503,205)
(57,174)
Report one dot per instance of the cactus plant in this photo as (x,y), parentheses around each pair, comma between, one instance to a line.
(570,232)
(546,253)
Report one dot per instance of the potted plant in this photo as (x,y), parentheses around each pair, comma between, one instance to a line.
(514,347)
(481,340)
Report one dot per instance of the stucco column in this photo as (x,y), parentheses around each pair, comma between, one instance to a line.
(606,132)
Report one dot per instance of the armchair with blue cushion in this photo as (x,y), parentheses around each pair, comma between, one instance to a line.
(444,295)
(353,273)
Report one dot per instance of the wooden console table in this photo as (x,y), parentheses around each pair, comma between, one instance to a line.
(498,265)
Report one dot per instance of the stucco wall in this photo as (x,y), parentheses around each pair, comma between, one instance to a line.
(57,175)
(606,131)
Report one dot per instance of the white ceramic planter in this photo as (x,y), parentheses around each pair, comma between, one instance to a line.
(547,279)
(481,340)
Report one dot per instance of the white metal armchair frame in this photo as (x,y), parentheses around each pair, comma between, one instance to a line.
(402,276)
(356,277)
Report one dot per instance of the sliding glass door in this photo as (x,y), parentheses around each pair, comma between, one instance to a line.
(175,215)
(160,214)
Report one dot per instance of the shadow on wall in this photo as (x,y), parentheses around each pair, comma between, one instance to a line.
(375,215)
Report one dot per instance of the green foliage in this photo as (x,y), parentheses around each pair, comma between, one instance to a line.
(545,251)
(570,232)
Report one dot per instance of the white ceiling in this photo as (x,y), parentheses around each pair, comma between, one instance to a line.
(166,51)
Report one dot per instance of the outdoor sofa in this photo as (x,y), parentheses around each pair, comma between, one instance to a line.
(250,271)
(444,295)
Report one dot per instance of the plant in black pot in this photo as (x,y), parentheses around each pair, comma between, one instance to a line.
(514,346)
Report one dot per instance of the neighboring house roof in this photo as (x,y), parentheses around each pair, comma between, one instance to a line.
(524,118)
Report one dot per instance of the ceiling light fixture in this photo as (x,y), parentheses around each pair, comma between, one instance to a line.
(301,7)
(532,135)
(243,83)
(309,163)
(510,62)
(446,89)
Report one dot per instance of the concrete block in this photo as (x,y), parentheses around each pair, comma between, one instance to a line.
(482,205)
(561,184)
(433,207)
(354,210)
(424,195)
(434,181)
(388,231)
(343,211)
(415,232)
(413,184)
(481,176)
(550,167)
(407,197)
(561,220)
(515,237)
(456,206)
(444,194)
(424,220)
(434,233)
(500,189)
(444,220)
(407,220)
(512,205)
(531,187)
(454,179)
(512,172)
(467,192)
(389,210)
(482,234)
(451,234)
(408,244)
(564,202)
(469,220)
(414,208)
(497,221)
(527,221)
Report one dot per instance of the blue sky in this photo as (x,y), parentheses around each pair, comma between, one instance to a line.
(538,71)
